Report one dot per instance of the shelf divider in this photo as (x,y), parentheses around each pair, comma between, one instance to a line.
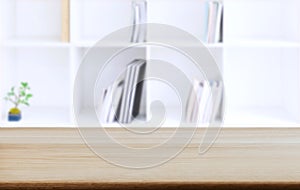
(65,28)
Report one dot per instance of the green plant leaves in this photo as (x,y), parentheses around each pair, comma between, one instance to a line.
(22,93)
(28,96)
(10,94)
(21,97)
(24,84)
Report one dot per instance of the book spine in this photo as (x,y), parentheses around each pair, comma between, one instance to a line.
(217,101)
(215,19)
(132,90)
(204,100)
(125,97)
(138,99)
(139,18)
(214,102)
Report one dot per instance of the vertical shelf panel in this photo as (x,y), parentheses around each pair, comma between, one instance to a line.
(65,28)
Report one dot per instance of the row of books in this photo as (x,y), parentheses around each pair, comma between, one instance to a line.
(204,102)
(214,26)
(122,100)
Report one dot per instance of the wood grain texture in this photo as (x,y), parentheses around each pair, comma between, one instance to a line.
(59,156)
(65,20)
(148,186)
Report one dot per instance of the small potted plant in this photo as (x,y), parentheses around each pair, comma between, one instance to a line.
(18,97)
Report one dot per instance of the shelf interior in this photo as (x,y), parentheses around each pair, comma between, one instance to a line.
(31,20)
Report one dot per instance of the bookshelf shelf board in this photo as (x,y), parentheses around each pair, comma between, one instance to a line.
(58,117)
(171,121)
(182,43)
(88,44)
(248,117)
(259,117)
(41,117)
(262,43)
(27,43)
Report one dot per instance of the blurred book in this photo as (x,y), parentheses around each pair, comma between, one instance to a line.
(215,22)
(132,95)
(214,105)
(204,102)
(110,107)
(139,30)
(197,101)
(122,100)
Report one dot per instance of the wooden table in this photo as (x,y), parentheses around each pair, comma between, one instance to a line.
(58,157)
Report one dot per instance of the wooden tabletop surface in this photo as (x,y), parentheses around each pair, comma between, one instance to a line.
(239,155)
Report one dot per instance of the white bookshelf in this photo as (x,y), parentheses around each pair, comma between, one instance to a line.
(259,58)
